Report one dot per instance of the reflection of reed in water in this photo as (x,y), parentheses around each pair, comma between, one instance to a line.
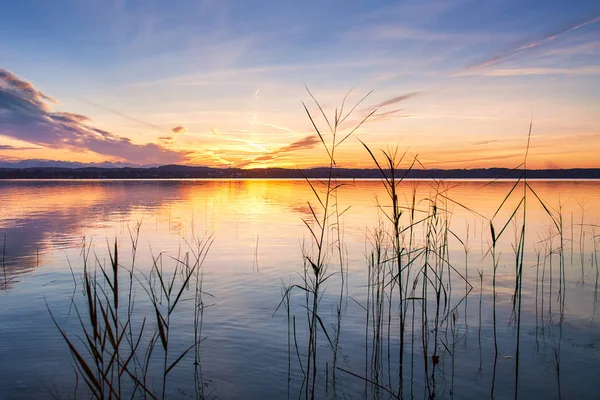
(596,239)
(5,283)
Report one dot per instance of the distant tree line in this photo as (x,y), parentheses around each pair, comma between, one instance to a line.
(181,172)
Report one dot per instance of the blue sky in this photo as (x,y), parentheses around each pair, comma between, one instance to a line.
(233,74)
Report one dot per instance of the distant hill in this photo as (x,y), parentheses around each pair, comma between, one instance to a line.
(64,164)
(180,171)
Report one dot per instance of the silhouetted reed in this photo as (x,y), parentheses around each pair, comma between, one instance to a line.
(111,359)
(324,219)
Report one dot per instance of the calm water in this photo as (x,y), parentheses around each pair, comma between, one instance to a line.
(258,234)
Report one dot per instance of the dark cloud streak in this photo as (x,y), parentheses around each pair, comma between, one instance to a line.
(397,99)
(374,110)
(14,83)
(26,115)
(307,142)
(180,130)
(9,147)
(484,142)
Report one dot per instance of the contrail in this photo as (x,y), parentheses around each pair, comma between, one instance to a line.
(158,128)
(520,49)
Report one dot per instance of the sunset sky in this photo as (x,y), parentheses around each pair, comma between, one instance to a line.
(221,83)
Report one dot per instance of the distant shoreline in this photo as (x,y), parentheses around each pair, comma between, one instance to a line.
(184,172)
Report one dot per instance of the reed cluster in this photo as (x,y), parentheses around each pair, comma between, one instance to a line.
(117,349)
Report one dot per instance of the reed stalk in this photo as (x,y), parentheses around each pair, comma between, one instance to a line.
(110,360)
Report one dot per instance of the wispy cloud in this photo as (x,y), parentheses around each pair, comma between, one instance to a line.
(394,32)
(277,128)
(130,118)
(384,116)
(399,32)
(26,115)
(586,48)
(16,148)
(397,99)
(528,46)
(593,70)
(223,76)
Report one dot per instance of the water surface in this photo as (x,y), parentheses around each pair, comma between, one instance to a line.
(259,236)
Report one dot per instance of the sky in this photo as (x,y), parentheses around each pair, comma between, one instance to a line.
(453,83)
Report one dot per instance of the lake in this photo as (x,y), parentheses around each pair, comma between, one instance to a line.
(480,315)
